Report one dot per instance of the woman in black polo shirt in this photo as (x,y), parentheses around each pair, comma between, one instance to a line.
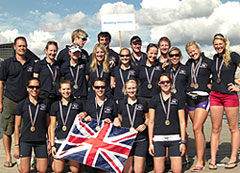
(133,114)
(122,73)
(224,97)
(33,113)
(62,115)
(166,127)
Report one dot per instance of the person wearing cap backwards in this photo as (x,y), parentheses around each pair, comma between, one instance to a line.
(79,37)
(137,55)
(48,72)
(74,71)
(15,71)
(223,97)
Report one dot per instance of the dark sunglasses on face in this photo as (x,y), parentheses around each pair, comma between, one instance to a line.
(98,87)
(166,81)
(172,55)
(83,38)
(124,55)
(32,87)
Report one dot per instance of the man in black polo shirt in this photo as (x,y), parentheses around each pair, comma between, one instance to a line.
(15,72)
(78,37)
(137,55)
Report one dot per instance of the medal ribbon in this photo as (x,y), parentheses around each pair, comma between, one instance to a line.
(100,113)
(101,74)
(174,76)
(219,69)
(167,112)
(61,113)
(54,74)
(121,76)
(195,70)
(35,115)
(75,78)
(131,119)
(146,71)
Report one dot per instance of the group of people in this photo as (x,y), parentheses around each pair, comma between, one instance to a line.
(141,91)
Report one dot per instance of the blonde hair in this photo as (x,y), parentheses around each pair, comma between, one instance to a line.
(93,65)
(191,43)
(177,49)
(125,85)
(78,33)
(227,53)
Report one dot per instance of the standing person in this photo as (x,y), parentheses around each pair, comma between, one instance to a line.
(33,113)
(137,55)
(99,68)
(148,74)
(122,73)
(164,45)
(199,71)
(79,37)
(48,72)
(15,71)
(224,97)
(166,127)
(133,114)
(74,70)
(62,116)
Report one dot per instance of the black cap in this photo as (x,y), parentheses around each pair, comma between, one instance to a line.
(135,39)
(219,34)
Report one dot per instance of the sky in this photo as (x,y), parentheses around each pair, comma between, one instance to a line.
(180,20)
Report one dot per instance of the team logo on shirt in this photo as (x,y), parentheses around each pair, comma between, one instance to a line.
(157,68)
(139,107)
(203,65)
(75,106)
(183,72)
(84,56)
(131,72)
(112,58)
(56,67)
(29,69)
(42,107)
(174,101)
(107,110)
(81,66)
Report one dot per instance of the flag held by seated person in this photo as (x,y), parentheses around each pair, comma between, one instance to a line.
(106,149)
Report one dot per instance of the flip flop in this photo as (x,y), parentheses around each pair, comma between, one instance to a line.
(227,166)
(8,164)
(197,168)
(213,166)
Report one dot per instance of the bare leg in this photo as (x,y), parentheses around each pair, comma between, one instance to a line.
(139,164)
(58,165)
(159,164)
(128,167)
(176,164)
(25,164)
(42,165)
(74,166)
(7,142)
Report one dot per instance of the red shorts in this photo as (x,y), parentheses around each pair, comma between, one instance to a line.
(226,100)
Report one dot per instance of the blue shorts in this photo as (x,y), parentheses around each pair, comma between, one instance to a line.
(139,148)
(173,148)
(40,149)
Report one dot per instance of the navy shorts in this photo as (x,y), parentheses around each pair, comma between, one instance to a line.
(40,149)
(139,148)
(173,148)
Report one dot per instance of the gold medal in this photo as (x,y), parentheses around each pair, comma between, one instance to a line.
(149,86)
(196,86)
(64,128)
(167,122)
(132,130)
(192,85)
(75,86)
(218,80)
(174,90)
(98,128)
(54,83)
(32,129)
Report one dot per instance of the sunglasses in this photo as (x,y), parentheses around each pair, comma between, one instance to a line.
(172,55)
(98,87)
(32,87)
(163,82)
(124,55)
(83,38)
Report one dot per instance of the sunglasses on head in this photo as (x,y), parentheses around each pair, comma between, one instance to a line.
(98,87)
(176,55)
(32,87)
(163,82)
(124,55)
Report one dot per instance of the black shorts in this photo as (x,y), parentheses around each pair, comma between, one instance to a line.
(197,101)
(173,148)
(40,149)
(139,148)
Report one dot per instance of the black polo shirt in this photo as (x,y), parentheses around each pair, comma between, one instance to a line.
(181,80)
(204,73)
(45,76)
(126,74)
(81,81)
(92,75)
(141,109)
(159,122)
(144,91)
(227,73)
(142,60)
(40,124)
(77,107)
(64,55)
(109,109)
(16,77)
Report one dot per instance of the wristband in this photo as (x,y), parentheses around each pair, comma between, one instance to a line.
(182,141)
(146,125)
(16,144)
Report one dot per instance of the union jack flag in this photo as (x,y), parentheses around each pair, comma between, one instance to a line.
(106,149)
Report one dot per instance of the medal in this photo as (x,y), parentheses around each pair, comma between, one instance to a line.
(218,71)
(194,73)
(167,122)
(54,83)
(54,74)
(196,86)
(75,86)
(218,80)
(174,90)
(174,77)
(192,85)
(32,129)
(98,128)
(64,128)
(101,74)
(132,130)
(149,86)
(121,76)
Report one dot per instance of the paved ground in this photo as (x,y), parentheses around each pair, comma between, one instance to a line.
(223,154)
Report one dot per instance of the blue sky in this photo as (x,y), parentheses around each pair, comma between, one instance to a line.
(181,21)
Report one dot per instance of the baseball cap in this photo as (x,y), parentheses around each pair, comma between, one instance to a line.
(135,39)
(75,49)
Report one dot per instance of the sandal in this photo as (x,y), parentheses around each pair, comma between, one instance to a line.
(230,165)
(197,168)
(8,164)
(213,166)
